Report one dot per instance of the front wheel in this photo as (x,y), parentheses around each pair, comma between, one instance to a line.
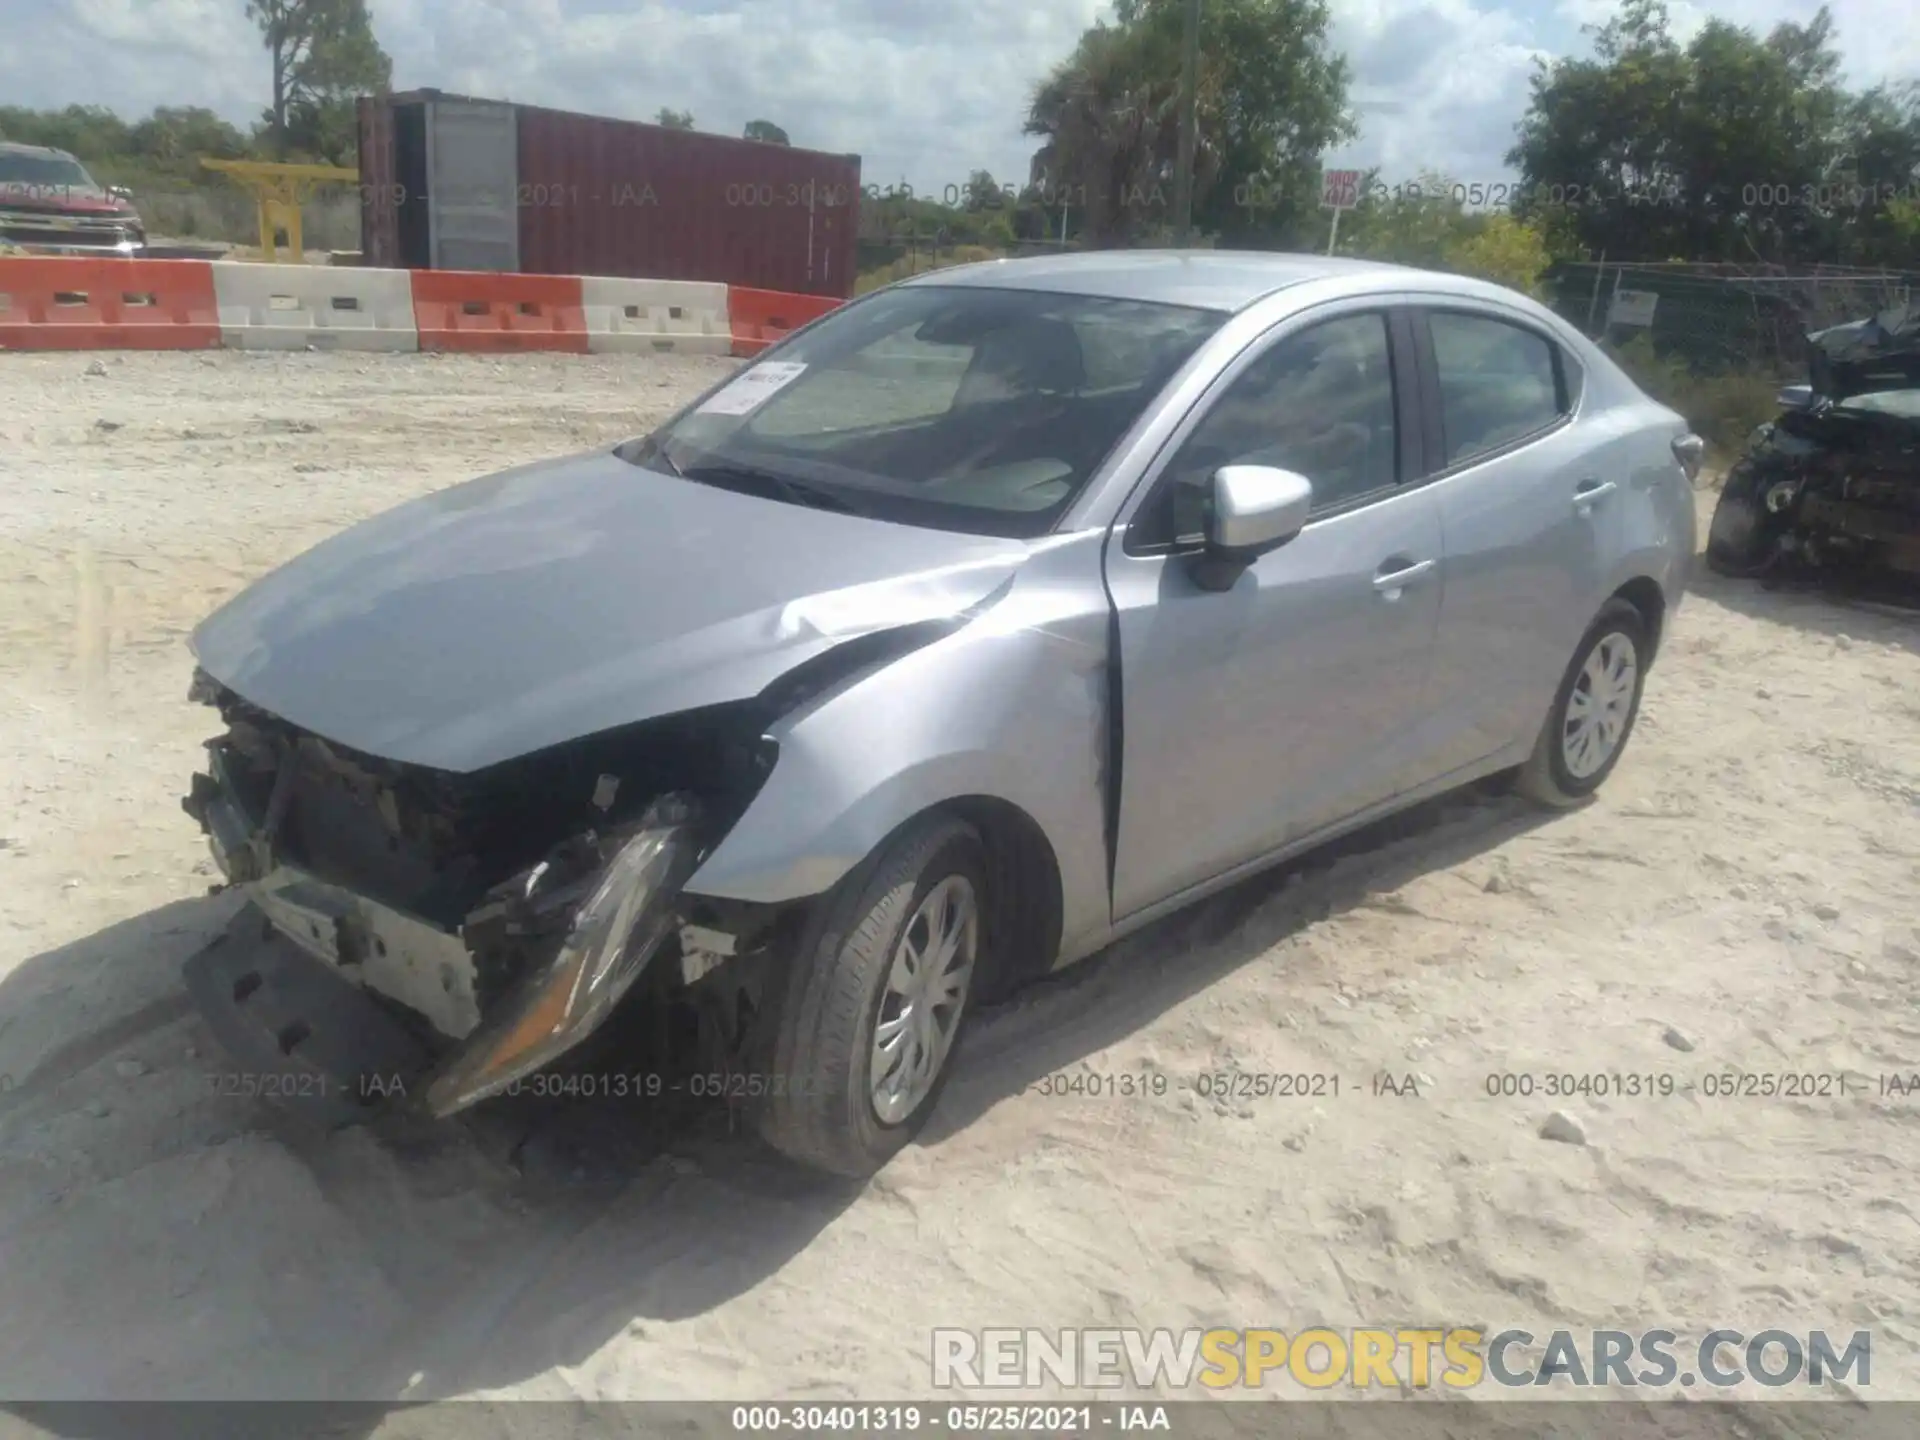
(1593,710)
(869,1017)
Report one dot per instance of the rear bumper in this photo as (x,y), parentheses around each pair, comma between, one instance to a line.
(298,1033)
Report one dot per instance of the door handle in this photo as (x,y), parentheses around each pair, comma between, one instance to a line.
(1394,581)
(1588,492)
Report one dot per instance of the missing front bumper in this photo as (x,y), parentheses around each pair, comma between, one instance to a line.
(296,1003)
(299,1033)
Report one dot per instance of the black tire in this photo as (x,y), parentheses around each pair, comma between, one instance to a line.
(1740,537)
(1546,777)
(819,1109)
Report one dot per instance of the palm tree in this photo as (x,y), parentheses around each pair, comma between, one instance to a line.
(1109,117)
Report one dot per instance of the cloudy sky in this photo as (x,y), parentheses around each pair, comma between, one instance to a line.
(923,90)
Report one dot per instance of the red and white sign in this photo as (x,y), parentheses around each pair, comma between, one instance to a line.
(1339,189)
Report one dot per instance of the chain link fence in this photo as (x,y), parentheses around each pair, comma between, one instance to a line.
(1716,317)
(1716,341)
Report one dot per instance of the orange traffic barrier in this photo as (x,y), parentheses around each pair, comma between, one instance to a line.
(481,310)
(79,303)
(759,318)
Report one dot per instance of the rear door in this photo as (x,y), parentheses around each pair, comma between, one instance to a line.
(1528,514)
(1259,714)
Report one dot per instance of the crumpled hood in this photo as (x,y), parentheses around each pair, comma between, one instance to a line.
(560,599)
(1880,353)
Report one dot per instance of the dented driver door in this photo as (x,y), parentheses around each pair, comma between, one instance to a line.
(1257,715)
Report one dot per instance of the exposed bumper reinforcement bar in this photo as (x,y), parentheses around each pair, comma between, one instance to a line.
(300,1035)
(308,1035)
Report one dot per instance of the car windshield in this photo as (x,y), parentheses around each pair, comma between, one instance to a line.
(954,407)
(20,171)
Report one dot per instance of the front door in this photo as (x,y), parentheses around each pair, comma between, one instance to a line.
(1256,715)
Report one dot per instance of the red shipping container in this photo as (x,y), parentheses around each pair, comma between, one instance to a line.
(596,196)
(379,189)
(613,197)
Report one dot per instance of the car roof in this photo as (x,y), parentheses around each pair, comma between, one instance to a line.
(15,147)
(1226,280)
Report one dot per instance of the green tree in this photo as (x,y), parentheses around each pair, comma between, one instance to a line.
(983,192)
(1415,222)
(1426,222)
(674,119)
(1733,147)
(1270,99)
(323,53)
(1879,167)
(1106,116)
(180,135)
(763,130)
(1502,249)
(88,131)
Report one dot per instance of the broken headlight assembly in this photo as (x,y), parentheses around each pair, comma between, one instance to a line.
(1780,495)
(629,911)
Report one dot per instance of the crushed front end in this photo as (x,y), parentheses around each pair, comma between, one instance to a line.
(434,938)
(1831,488)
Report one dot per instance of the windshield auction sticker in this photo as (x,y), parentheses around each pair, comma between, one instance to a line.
(753,388)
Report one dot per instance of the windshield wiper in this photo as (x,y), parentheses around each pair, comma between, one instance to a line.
(799,492)
(647,451)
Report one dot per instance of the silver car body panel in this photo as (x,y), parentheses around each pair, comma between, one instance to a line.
(564,598)
(1224,280)
(1314,680)
(1011,707)
(560,600)
(1537,539)
(1266,712)
(1358,716)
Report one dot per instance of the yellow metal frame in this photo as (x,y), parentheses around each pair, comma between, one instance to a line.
(278,190)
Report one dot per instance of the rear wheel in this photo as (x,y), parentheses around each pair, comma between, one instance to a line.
(1593,710)
(870,1014)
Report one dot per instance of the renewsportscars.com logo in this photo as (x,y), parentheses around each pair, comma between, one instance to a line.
(1394,1358)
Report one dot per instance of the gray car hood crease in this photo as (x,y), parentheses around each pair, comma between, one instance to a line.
(564,598)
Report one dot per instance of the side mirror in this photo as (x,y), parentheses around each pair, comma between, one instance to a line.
(1254,509)
(120,192)
(1795,397)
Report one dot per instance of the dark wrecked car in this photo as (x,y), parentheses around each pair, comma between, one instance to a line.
(1831,488)
(982,621)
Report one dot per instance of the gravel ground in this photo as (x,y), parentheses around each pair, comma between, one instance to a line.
(1743,897)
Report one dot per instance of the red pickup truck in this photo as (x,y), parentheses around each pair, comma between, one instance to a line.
(50,205)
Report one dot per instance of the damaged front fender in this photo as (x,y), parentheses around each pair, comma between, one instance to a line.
(1011,707)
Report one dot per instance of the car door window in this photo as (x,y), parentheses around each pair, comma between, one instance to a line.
(1320,402)
(1498,382)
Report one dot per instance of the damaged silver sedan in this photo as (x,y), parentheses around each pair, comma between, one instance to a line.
(980,622)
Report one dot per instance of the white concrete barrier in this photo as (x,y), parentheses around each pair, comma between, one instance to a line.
(681,317)
(291,307)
